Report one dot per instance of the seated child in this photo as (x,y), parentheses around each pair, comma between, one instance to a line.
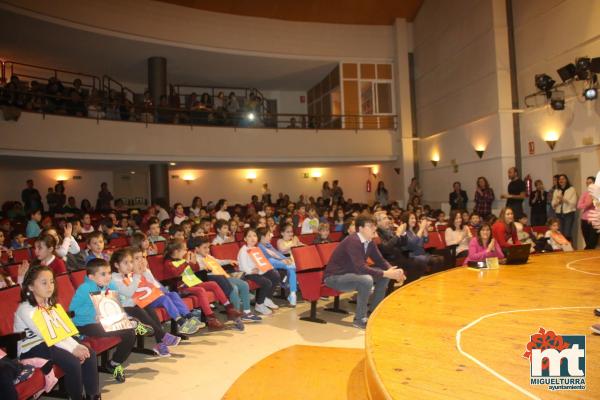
(95,247)
(33,226)
(474,220)
(76,360)
(322,234)
(176,233)
(154,231)
(19,241)
(68,245)
(310,224)
(177,259)
(556,239)
(278,261)
(129,283)
(187,323)
(98,279)
(86,224)
(179,214)
(45,247)
(287,240)
(211,270)
(257,269)
(107,227)
(223,234)
(139,240)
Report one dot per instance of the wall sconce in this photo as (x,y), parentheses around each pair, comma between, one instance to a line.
(188,178)
(480,150)
(435,159)
(375,171)
(61,178)
(551,139)
(251,176)
(316,174)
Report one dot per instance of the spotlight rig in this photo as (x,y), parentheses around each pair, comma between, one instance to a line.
(583,69)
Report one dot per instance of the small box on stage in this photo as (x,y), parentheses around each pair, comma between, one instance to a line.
(489,263)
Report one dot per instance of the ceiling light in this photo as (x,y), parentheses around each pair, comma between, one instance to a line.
(172,164)
(250,116)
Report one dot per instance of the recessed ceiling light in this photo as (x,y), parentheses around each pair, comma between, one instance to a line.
(172,164)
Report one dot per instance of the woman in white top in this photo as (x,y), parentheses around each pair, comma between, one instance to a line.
(458,234)
(222,212)
(564,203)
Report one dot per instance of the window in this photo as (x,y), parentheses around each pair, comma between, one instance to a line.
(384,98)
(366,98)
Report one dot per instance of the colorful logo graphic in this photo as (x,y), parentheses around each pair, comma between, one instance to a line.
(557,361)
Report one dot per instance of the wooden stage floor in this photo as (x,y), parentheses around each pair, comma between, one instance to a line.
(461,334)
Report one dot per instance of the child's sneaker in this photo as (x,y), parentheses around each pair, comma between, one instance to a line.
(250,317)
(161,350)
(117,371)
(25,373)
(269,303)
(141,329)
(198,322)
(292,299)
(171,340)
(239,325)
(189,327)
(263,309)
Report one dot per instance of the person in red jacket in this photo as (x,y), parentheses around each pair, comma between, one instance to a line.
(45,245)
(504,230)
(177,260)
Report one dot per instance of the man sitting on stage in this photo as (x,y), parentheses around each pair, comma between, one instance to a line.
(347,269)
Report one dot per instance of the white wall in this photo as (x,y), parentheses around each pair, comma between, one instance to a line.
(208,183)
(462,91)
(212,184)
(540,50)
(71,137)
(288,102)
(14,181)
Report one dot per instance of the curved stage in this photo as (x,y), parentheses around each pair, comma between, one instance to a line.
(462,333)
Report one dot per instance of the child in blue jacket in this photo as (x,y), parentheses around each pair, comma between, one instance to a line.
(98,279)
(278,261)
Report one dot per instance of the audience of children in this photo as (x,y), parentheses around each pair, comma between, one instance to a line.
(258,261)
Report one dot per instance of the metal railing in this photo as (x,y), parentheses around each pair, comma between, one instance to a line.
(33,72)
(109,84)
(109,109)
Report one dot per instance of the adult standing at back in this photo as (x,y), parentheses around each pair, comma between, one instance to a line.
(586,205)
(326,193)
(458,198)
(484,198)
(381,194)
(517,192)
(564,203)
(104,198)
(337,192)
(32,200)
(414,191)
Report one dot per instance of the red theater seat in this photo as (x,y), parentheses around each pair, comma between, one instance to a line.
(310,267)
(326,250)
(160,246)
(307,238)
(156,265)
(77,277)
(436,240)
(336,236)
(227,251)
(119,242)
(65,290)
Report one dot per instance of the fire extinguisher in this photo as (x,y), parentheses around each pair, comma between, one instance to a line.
(368,186)
(528,184)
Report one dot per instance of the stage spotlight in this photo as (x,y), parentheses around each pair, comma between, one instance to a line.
(557,100)
(544,83)
(567,72)
(250,116)
(582,67)
(590,93)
